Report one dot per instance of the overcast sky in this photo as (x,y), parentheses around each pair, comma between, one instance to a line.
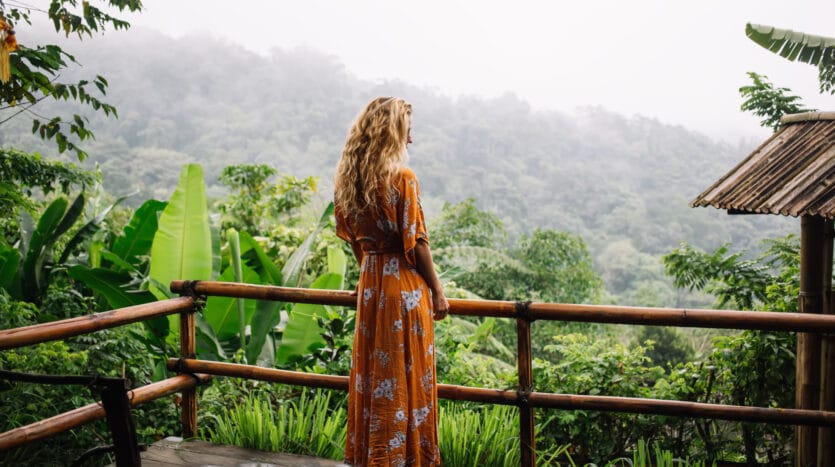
(680,62)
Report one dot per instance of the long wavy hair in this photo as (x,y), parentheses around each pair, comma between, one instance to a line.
(373,153)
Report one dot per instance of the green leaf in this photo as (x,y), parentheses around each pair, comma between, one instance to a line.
(138,235)
(237,268)
(9,263)
(120,264)
(208,344)
(109,284)
(182,245)
(87,230)
(269,272)
(221,312)
(266,318)
(292,268)
(302,331)
(799,46)
(33,278)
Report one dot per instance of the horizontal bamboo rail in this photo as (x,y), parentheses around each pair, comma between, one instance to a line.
(56,330)
(88,413)
(499,309)
(535,399)
(727,319)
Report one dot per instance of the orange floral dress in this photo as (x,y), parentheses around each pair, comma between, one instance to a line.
(392,398)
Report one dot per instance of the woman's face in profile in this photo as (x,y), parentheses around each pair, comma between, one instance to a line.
(409,131)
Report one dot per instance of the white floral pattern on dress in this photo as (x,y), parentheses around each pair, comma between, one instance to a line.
(419,416)
(397,326)
(367,294)
(392,268)
(398,440)
(383,357)
(386,388)
(411,298)
(400,416)
(426,380)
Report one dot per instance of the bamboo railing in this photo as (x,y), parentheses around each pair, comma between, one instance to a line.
(57,330)
(193,371)
(524,397)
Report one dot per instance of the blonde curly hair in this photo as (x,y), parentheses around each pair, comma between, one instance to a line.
(374,151)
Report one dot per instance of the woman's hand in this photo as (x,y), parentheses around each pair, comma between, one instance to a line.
(440,305)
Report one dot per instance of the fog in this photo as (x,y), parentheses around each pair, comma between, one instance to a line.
(680,62)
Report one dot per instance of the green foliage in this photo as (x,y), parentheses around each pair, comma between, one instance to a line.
(764,100)
(666,347)
(815,50)
(310,426)
(463,224)
(255,203)
(545,265)
(583,365)
(36,266)
(35,70)
(22,172)
(751,367)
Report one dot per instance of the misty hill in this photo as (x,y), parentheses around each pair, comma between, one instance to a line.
(622,183)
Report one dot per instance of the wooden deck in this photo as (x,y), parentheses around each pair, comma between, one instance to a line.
(174,451)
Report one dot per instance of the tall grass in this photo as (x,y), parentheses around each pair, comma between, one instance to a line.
(477,437)
(309,426)
(644,456)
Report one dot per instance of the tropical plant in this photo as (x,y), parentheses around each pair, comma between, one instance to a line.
(815,50)
(255,202)
(751,367)
(26,271)
(21,173)
(35,70)
(595,365)
(762,98)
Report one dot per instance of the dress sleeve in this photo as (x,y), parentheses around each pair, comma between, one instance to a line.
(410,214)
(343,230)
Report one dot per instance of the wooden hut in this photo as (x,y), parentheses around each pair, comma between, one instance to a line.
(793,174)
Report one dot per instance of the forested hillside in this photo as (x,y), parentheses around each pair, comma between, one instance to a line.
(622,183)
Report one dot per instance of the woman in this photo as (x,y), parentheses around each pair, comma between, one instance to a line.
(392,398)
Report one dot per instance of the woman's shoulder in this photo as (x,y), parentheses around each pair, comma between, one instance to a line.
(406,173)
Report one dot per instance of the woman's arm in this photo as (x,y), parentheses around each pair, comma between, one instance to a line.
(426,268)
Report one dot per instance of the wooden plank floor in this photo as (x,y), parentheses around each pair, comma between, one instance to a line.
(174,451)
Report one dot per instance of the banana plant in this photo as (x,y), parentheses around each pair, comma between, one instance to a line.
(26,272)
(815,50)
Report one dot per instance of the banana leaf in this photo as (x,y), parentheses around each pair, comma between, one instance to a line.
(291,273)
(302,335)
(221,312)
(87,231)
(9,263)
(33,277)
(136,240)
(110,285)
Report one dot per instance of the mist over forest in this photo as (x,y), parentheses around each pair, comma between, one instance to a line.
(622,183)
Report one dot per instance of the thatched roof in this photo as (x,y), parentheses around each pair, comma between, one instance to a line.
(792,173)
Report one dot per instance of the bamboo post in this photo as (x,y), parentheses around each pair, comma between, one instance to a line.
(527,435)
(114,398)
(807,390)
(826,435)
(188,407)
